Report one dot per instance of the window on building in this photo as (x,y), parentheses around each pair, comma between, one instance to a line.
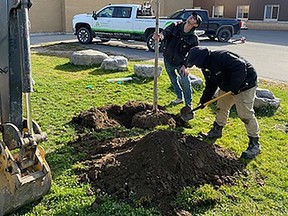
(271,12)
(218,11)
(242,12)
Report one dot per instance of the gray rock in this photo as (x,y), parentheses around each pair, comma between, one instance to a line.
(115,63)
(265,98)
(146,70)
(87,57)
(264,93)
(195,81)
(266,102)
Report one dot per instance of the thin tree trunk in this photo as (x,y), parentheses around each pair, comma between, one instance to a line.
(155,88)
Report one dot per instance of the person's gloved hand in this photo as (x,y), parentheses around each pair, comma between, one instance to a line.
(235,91)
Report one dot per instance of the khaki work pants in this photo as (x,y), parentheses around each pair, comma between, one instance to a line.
(244,102)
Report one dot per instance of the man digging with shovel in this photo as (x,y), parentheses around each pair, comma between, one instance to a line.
(236,77)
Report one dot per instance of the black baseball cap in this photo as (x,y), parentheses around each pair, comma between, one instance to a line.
(197,56)
(197,18)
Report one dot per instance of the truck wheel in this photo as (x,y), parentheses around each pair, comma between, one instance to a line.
(84,35)
(224,35)
(151,44)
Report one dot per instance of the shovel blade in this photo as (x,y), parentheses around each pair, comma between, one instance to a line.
(186,113)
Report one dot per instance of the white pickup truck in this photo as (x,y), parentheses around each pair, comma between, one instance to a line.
(120,21)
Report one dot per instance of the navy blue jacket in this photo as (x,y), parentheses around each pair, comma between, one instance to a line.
(177,43)
(229,72)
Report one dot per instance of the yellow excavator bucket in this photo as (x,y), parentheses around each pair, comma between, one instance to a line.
(22,180)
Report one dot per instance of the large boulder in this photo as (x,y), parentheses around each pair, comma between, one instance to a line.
(146,70)
(115,63)
(265,98)
(195,81)
(87,57)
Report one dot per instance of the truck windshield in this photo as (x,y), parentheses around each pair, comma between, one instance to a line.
(176,15)
(180,15)
(184,14)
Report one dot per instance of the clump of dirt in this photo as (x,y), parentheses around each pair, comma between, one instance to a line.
(96,119)
(131,114)
(148,119)
(151,170)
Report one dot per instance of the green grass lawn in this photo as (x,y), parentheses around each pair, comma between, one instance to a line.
(62,90)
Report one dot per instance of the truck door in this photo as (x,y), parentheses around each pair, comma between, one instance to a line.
(104,20)
(205,20)
(114,21)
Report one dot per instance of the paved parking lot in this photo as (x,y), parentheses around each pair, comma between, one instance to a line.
(266,50)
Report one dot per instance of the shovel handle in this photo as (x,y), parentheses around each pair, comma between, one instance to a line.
(217,98)
(201,106)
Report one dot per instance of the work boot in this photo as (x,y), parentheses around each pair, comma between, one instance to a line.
(215,132)
(253,148)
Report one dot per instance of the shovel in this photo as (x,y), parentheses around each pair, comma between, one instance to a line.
(187,114)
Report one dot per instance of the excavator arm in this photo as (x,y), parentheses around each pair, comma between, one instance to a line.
(24,173)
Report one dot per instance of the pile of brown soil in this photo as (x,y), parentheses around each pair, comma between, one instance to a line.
(131,114)
(153,169)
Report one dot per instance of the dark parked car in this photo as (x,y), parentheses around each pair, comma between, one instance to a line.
(221,28)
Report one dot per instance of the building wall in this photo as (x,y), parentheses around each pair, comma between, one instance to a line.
(207,5)
(256,15)
(46,16)
(169,6)
(56,15)
(258,6)
(256,11)
(230,7)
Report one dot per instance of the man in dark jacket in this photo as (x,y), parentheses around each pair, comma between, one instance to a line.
(229,72)
(178,39)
